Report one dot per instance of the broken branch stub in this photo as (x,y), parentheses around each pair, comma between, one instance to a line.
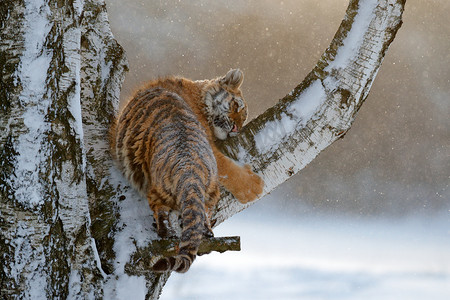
(143,259)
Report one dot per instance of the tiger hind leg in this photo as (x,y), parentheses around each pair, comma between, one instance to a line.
(161,214)
(211,202)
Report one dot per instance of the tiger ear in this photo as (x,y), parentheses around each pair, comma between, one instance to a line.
(233,79)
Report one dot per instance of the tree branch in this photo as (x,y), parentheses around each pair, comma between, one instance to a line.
(142,260)
(321,109)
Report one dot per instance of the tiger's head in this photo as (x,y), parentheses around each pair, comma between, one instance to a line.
(225,107)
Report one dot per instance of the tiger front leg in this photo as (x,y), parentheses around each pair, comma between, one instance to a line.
(242,182)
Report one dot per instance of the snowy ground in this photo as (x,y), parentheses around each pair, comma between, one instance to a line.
(289,256)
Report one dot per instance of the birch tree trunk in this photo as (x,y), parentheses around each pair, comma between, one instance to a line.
(45,238)
(69,222)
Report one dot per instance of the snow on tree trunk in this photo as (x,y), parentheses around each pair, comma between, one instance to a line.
(69,222)
(121,219)
(45,241)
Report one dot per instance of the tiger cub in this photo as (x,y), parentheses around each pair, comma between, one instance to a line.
(163,140)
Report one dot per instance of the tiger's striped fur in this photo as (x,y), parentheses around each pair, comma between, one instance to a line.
(163,140)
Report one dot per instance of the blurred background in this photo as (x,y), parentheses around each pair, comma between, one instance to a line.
(370,216)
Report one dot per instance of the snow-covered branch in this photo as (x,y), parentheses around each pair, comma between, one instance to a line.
(321,109)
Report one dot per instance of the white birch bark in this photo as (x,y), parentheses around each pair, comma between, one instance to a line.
(46,246)
(61,77)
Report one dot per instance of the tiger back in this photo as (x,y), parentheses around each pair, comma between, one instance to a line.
(166,155)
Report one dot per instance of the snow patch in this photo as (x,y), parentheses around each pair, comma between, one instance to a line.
(355,37)
(74,284)
(74,105)
(131,287)
(309,102)
(273,133)
(78,6)
(299,112)
(28,259)
(135,230)
(242,155)
(31,73)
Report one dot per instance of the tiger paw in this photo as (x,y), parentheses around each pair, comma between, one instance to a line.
(208,233)
(166,232)
(250,185)
(164,226)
